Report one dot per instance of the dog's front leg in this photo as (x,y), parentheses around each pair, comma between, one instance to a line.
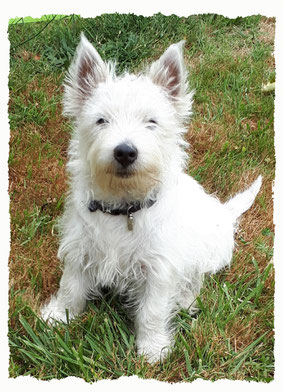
(153,316)
(71,296)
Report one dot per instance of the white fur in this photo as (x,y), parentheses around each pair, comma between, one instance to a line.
(184,235)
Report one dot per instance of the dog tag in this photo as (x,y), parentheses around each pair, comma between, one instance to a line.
(130,222)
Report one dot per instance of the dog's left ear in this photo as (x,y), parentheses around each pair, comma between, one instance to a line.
(169,71)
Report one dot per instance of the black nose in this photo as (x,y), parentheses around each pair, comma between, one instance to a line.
(125,154)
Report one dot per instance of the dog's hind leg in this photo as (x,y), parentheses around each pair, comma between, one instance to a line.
(189,293)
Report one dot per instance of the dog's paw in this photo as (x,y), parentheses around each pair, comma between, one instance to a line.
(52,313)
(51,317)
(154,350)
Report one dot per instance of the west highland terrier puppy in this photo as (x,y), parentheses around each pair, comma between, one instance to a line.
(134,221)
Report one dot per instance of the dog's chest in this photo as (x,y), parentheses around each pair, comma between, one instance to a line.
(113,248)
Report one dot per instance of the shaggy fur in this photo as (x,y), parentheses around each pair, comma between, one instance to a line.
(185,234)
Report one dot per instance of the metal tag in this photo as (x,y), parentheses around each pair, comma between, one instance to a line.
(130,222)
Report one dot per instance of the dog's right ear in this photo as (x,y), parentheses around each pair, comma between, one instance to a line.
(85,73)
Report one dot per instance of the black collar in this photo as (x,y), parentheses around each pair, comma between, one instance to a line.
(126,209)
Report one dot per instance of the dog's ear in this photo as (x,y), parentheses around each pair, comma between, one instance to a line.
(169,71)
(85,73)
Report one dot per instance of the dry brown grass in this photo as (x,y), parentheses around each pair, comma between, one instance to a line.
(267,30)
(36,179)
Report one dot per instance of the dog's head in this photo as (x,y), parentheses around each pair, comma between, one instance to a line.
(129,127)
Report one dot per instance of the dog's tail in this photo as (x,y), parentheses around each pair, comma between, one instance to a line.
(243,201)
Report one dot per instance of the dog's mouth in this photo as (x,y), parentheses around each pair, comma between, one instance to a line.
(124,182)
(124,173)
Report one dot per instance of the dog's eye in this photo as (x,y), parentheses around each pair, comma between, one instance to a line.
(101,121)
(152,121)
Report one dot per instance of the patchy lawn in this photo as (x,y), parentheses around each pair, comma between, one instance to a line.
(232,141)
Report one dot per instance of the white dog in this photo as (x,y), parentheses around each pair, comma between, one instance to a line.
(134,220)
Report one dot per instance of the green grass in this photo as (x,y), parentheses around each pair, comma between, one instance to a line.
(232,141)
(101,343)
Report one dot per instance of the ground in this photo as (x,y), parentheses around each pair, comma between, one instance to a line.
(232,141)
